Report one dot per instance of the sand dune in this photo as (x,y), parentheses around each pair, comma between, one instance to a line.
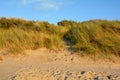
(44,64)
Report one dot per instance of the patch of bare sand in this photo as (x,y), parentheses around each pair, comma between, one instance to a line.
(44,64)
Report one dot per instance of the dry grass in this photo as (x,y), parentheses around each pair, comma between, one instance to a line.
(90,37)
(29,35)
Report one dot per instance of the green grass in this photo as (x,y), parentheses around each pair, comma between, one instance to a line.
(95,37)
(92,38)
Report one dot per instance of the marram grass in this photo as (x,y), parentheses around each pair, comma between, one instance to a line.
(95,37)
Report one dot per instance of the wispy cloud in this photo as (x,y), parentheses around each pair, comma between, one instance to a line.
(44,4)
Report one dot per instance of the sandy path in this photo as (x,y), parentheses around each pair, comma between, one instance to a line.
(44,64)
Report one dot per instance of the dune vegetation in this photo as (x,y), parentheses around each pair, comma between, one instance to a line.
(94,37)
(17,35)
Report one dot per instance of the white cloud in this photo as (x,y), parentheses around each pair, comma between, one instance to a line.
(26,2)
(44,4)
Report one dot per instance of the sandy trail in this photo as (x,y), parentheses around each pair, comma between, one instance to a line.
(44,64)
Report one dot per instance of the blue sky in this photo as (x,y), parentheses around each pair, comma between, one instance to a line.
(57,10)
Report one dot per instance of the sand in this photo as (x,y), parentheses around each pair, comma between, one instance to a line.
(45,64)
